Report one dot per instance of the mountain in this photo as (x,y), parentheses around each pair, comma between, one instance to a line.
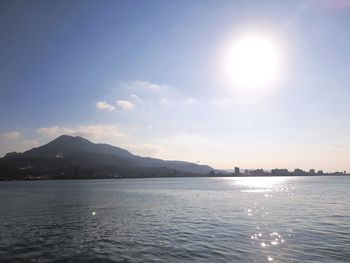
(69,145)
(76,157)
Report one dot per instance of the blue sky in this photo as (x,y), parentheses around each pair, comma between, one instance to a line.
(146,75)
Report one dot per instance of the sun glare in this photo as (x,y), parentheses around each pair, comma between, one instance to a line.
(252,61)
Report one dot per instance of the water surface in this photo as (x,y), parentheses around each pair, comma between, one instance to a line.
(280,219)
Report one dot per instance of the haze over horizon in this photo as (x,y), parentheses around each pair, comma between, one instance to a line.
(155,78)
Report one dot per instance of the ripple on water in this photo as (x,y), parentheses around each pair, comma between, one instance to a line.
(176,220)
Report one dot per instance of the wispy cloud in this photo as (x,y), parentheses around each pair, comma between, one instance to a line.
(145,96)
(30,143)
(97,131)
(151,150)
(164,102)
(103,105)
(146,85)
(136,99)
(125,105)
(10,135)
(190,100)
(48,131)
(93,132)
(15,141)
(144,89)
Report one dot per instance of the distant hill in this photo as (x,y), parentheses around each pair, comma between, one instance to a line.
(69,157)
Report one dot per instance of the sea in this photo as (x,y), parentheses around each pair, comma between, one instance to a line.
(223,219)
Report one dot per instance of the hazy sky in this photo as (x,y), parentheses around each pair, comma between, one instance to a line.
(148,76)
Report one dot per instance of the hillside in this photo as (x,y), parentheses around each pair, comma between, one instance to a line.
(76,157)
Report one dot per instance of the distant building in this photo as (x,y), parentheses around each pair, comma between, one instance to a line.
(312,171)
(320,172)
(257,172)
(237,172)
(298,172)
(279,172)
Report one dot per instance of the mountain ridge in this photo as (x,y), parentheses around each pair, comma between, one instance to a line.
(79,157)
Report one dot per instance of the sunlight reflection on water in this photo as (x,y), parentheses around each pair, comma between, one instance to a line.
(259,182)
(266,236)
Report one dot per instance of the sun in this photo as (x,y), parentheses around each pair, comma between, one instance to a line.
(252,61)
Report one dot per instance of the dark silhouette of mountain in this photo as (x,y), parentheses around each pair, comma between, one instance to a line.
(69,146)
(76,157)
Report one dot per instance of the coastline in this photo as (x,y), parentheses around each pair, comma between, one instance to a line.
(162,177)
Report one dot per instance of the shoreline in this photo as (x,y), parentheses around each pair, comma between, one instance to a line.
(172,177)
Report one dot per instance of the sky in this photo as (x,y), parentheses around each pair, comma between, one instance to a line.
(149,76)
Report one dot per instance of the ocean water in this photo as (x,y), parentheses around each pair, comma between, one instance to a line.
(271,219)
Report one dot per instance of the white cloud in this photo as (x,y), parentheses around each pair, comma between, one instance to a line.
(141,91)
(15,142)
(103,105)
(93,132)
(190,100)
(125,105)
(164,102)
(149,150)
(97,132)
(49,131)
(136,99)
(145,96)
(146,85)
(30,143)
(10,135)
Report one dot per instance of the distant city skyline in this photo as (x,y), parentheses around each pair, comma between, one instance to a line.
(150,77)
